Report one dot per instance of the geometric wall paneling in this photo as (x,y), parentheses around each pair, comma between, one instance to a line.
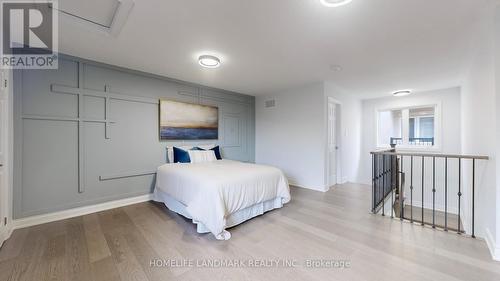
(234,127)
(107,95)
(104,120)
(231,124)
(126,175)
(36,97)
(225,97)
(48,183)
(95,107)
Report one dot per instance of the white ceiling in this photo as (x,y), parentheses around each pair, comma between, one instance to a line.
(271,45)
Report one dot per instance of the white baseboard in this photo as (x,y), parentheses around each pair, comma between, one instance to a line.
(321,188)
(80,211)
(492,246)
(5,234)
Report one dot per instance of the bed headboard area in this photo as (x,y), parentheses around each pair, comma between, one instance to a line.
(89,133)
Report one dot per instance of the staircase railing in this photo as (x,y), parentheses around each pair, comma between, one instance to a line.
(389,170)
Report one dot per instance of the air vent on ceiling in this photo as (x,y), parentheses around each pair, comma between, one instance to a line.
(270,103)
(105,15)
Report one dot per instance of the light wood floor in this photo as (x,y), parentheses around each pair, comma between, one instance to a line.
(439,219)
(119,245)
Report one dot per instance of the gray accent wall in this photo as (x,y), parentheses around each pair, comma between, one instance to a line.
(87,133)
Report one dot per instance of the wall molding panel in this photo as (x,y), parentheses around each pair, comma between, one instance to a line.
(126,175)
(87,133)
(232,130)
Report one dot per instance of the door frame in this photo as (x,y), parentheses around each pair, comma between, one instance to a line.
(338,154)
(7,143)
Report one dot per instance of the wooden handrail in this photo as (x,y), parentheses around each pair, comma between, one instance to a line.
(457,156)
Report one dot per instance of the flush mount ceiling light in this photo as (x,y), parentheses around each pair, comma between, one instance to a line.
(401,93)
(334,3)
(209,61)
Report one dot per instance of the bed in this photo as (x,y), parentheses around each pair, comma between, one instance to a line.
(220,194)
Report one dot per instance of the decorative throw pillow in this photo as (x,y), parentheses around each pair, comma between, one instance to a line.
(170,152)
(181,155)
(217,152)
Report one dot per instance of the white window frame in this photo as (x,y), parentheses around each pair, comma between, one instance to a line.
(405,112)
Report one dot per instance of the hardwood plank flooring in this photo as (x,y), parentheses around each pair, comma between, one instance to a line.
(135,242)
(439,220)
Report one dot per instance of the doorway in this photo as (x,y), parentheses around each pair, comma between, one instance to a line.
(334,171)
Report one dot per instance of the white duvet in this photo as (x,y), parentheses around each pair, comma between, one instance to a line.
(212,191)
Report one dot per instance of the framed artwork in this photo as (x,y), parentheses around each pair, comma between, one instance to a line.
(188,121)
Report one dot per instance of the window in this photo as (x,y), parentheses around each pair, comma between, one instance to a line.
(407,127)
(421,126)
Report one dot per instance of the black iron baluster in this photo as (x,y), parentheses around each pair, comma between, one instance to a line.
(473,191)
(411,190)
(423,165)
(459,190)
(373,183)
(446,194)
(433,192)
(390,176)
(380,178)
(391,184)
(401,202)
(377,180)
(383,184)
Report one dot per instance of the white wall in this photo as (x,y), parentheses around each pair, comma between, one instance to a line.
(479,125)
(292,135)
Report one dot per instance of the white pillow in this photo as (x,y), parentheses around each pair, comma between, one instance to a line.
(170,152)
(202,156)
(207,146)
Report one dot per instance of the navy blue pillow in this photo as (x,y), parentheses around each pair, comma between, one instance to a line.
(197,148)
(217,152)
(181,156)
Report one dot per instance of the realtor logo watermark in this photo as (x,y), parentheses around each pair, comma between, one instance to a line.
(29,35)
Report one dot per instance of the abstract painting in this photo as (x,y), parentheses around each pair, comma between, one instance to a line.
(187,121)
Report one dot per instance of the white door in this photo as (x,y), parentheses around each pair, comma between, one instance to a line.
(3,158)
(332,144)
